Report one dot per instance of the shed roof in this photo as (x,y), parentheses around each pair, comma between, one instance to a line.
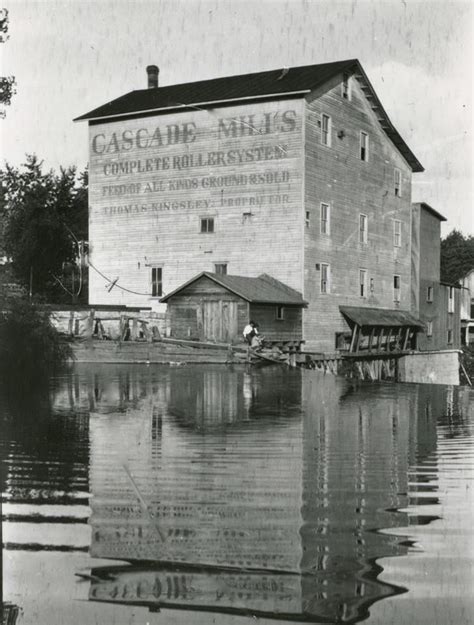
(261,290)
(277,83)
(380,317)
(431,210)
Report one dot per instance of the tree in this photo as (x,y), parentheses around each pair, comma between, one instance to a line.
(7,83)
(457,256)
(43,218)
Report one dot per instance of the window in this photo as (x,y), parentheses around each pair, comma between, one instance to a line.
(396,288)
(450,337)
(325,219)
(363,282)
(279,313)
(451,299)
(307,219)
(429,294)
(207,224)
(325,278)
(429,328)
(372,285)
(156,281)
(364,146)
(362,228)
(326,130)
(397,233)
(346,87)
(398,183)
(221,268)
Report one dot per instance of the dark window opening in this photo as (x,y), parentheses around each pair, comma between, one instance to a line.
(156,281)
(207,224)
(280,315)
(221,268)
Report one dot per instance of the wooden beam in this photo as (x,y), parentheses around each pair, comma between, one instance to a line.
(354,332)
(407,335)
(358,339)
(380,339)
(387,343)
(370,338)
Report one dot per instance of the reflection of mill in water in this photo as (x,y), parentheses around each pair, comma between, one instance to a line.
(274,484)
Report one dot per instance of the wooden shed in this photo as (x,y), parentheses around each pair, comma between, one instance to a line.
(216,307)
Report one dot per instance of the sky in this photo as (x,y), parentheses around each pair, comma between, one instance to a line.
(70,57)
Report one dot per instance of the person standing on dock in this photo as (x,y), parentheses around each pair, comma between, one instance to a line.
(249,332)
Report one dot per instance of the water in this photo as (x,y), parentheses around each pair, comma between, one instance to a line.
(135,495)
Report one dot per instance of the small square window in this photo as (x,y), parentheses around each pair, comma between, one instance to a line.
(207,224)
(429,294)
(280,313)
(326,130)
(364,146)
(398,183)
(325,219)
(220,268)
(156,281)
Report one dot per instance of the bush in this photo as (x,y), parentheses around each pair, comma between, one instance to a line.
(30,347)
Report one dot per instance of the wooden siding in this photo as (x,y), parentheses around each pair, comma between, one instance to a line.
(287,329)
(337,176)
(148,214)
(438,313)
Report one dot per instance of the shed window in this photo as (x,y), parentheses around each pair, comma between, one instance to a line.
(326,130)
(363,282)
(429,294)
(207,224)
(346,87)
(397,233)
(279,313)
(364,146)
(398,183)
(156,281)
(363,228)
(325,278)
(451,299)
(221,268)
(429,328)
(325,218)
(396,288)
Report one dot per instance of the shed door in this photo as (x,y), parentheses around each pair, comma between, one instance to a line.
(219,321)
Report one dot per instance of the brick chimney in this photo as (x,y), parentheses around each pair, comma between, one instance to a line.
(152,71)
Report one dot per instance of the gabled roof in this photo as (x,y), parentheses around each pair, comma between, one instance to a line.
(261,290)
(379,317)
(278,83)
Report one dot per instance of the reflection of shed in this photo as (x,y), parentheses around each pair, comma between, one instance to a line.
(215,307)
(380,330)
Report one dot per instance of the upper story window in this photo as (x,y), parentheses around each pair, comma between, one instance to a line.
(307,219)
(326,130)
(363,228)
(220,268)
(429,328)
(396,288)
(207,224)
(451,299)
(279,313)
(346,87)
(157,281)
(325,285)
(429,294)
(364,146)
(363,282)
(450,337)
(398,182)
(397,233)
(325,218)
